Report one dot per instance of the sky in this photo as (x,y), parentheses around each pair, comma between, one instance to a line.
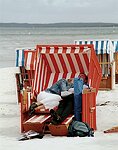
(53,11)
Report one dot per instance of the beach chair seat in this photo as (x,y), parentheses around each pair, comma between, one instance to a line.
(37,123)
(62,128)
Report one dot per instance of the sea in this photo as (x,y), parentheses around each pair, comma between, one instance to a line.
(13,38)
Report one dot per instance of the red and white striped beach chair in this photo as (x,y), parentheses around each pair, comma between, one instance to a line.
(54,62)
(25,60)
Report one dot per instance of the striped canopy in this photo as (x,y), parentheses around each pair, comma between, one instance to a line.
(19,57)
(26,58)
(29,59)
(100,46)
(54,62)
(115,45)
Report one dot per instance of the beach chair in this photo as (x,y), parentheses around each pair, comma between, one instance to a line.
(54,62)
(104,49)
(25,60)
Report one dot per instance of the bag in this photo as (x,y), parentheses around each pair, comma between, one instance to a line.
(81,129)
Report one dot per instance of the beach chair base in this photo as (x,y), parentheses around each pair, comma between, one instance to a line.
(36,123)
(61,129)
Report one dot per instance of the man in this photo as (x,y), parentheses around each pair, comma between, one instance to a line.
(71,103)
(79,84)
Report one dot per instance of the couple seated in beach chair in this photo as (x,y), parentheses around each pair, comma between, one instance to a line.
(61,99)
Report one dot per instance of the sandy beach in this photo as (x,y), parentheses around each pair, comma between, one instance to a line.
(10,121)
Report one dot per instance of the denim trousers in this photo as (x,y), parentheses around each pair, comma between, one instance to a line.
(78,87)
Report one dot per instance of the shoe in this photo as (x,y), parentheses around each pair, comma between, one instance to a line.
(31,135)
(54,122)
(54,115)
(32,108)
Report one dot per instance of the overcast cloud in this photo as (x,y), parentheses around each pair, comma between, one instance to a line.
(51,11)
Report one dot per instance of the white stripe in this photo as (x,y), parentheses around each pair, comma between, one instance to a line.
(36,71)
(50,62)
(58,62)
(70,118)
(43,50)
(37,119)
(83,62)
(104,47)
(60,49)
(68,76)
(77,74)
(75,62)
(94,44)
(34,64)
(88,55)
(115,45)
(20,57)
(42,74)
(51,80)
(88,42)
(60,76)
(68,50)
(67,63)
(51,49)
(77,49)
(28,61)
(45,76)
(29,97)
(39,70)
(45,118)
(30,119)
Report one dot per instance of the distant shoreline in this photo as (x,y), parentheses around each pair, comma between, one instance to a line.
(59,25)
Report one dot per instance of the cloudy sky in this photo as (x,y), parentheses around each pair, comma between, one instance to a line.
(51,11)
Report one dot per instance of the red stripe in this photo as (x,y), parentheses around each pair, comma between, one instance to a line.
(45,76)
(25,57)
(64,49)
(79,63)
(72,75)
(47,63)
(40,70)
(48,71)
(64,75)
(56,49)
(44,71)
(39,49)
(73,49)
(48,49)
(55,77)
(81,49)
(36,75)
(86,60)
(32,60)
(63,63)
(54,63)
(70,61)
(47,80)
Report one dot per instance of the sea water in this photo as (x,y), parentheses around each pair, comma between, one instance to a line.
(13,38)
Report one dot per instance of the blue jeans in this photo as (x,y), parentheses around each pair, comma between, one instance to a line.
(78,87)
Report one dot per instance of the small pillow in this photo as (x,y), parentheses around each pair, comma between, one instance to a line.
(65,93)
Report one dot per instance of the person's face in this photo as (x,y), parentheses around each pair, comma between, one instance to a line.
(83,76)
(70,81)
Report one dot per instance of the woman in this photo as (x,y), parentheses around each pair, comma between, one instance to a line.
(50,98)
